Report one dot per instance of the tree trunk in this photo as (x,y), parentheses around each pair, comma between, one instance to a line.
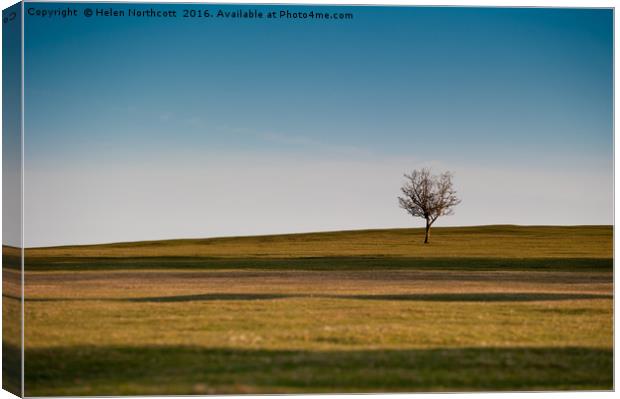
(427,234)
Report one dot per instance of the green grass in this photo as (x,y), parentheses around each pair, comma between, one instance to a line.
(11,320)
(481,308)
(504,242)
(319,263)
(209,371)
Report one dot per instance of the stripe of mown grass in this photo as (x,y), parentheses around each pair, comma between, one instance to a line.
(189,370)
(319,263)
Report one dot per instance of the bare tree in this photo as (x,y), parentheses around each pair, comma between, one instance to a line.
(428,196)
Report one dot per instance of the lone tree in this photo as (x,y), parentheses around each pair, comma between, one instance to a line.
(428,196)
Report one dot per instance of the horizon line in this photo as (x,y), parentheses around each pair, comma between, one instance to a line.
(299,233)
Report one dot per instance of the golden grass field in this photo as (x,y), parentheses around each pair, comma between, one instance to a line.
(480,308)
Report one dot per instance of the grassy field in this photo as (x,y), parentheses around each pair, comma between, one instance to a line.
(480,308)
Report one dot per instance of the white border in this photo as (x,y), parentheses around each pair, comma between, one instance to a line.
(23,274)
(447,3)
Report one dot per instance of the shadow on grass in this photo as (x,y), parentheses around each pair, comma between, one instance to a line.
(217,297)
(436,297)
(118,370)
(447,297)
(319,263)
(11,369)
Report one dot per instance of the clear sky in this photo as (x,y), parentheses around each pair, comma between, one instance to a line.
(11,127)
(139,128)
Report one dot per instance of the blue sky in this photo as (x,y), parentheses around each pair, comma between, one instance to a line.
(128,120)
(11,127)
